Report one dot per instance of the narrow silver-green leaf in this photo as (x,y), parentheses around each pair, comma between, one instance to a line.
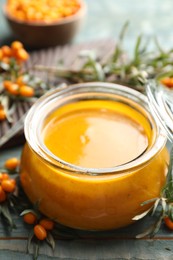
(50,240)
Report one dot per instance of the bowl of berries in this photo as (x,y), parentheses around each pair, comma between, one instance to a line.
(45,23)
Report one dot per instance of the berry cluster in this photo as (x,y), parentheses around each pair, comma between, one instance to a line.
(15,51)
(7,184)
(41,225)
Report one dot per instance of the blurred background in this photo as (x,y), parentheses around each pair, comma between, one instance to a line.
(105,19)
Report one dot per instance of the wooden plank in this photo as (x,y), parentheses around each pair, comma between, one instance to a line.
(92,250)
(117,244)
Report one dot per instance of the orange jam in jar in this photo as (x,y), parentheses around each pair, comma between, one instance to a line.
(94,153)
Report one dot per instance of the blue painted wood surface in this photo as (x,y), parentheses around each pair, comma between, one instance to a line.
(104,20)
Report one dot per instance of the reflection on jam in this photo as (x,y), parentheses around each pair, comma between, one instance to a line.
(95,134)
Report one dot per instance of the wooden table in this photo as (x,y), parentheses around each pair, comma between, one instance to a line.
(105,18)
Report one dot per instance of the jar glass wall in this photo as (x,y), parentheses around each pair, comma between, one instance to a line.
(92,198)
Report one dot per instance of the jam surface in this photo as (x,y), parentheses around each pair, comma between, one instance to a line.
(95,134)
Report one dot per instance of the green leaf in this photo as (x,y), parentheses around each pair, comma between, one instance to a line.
(26,211)
(141,215)
(158,46)
(7,215)
(29,242)
(170,168)
(147,232)
(156,227)
(156,204)
(36,250)
(164,75)
(149,201)
(152,230)
(118,48)
(4,66)
(137,48)
(123,31)
(50,240)
(170,211)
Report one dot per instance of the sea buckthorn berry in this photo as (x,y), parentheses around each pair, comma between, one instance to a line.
(40,232)
(22,54)
(47,224)
(1,176)
(1,55)
(7,84)
(6,51)
(168,82)
(19,80)
(12,163)
(13,181)
(26,91)
(168,223)
(14,89)
(8,185)
(5,176)
(3,195)
(45,11)
(30,218)
(16,45)
(2,114)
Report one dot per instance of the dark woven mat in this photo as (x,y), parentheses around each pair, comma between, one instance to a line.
(69,55)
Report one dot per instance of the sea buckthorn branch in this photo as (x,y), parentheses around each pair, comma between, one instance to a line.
(163,205)
(13,201)
(15,83)
(8,188)
(41,228)
(12,85)
(131,70)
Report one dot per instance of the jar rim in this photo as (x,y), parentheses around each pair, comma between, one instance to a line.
(34,113)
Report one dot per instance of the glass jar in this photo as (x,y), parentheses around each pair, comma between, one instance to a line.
(92,198)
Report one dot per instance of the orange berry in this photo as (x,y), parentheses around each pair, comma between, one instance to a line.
(2,114)
(1,176)
(19,80)
(2,195)
(22,54)
(1,54)
(26,91)
(12,163)
(5,176)
(168,223)
(40,232)
(8,185)
(13,181)
(47,224)
(16,45)
(168,82)
(6,51)
(14,89)
(30,218)
(7,84)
